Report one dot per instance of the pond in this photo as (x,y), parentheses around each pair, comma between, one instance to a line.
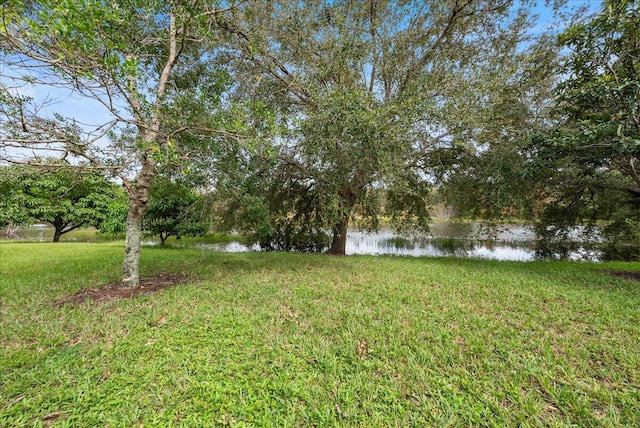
(507,242)
(458,240)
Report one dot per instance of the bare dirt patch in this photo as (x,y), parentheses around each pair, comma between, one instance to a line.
(114,291)
(633,276)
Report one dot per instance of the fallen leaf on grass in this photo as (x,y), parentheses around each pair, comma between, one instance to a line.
(74,341)
(52,417)
(17,399)
(363,349)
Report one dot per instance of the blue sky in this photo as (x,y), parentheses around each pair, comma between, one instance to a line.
(546,14)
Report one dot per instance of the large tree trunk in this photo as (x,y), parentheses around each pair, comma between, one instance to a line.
(339,242)
(56,235)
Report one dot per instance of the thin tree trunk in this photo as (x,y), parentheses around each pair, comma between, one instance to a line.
(130,267)
(138,201)
(138,191)
(339,242)
(58,225)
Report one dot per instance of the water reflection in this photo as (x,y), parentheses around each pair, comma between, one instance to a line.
(506,242)
(511,243)
(44,233)
(227,247)
(456,243)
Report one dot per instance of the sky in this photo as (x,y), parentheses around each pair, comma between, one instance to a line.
(546,15)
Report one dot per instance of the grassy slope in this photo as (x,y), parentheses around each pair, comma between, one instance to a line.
(289,339)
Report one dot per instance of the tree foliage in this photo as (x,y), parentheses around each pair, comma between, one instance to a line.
(174,210)
(371,97)
(578,165)
(493,179)
(594,151)
(64,197)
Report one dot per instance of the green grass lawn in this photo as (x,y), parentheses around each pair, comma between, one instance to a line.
(273,339)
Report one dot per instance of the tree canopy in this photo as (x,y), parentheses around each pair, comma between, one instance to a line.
(358,111)
(174,210)
(372,97)
(65,197)
(592,154)
(578,164)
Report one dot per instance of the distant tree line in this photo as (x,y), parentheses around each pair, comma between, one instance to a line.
(68,198)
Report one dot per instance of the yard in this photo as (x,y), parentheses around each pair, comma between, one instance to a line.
(280,339)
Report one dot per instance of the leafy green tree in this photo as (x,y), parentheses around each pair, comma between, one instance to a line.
(371,97)
(592,155)
(65,197)
(141,65)
(174,210)
(10,211)
(578,165)
(600,98)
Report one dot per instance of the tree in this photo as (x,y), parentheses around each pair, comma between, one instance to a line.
(578,164)
(599,100)
(65,197)
(11,214)
(370,96)
(591,156)
(142,65)
(174,210)
(600,97)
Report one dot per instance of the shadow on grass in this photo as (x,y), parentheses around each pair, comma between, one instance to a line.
(162,272)
(166,267)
